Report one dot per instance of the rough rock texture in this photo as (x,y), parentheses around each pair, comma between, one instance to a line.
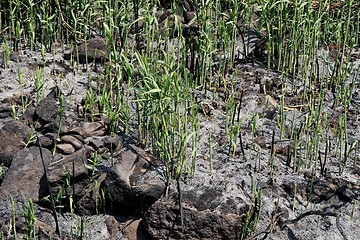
(89,129)
(68,175)
(133,230)
(12,137)
(47,110)
(93,50)
(133,182)
(164,220)
(24,174)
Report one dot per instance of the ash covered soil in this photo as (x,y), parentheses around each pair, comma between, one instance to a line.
(255,181)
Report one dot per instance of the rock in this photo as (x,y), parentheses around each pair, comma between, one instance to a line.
(322,190)
(44,230)
(270,113)
(24,174)
(65,148)
(96,142)
(261,141)
(89,129)
(201,217)
(54,127)
(112,143)
(47,110)
(15,57)
(174,21)
(5,111)
(91,201)
(93,50)
(133,230)
(47,140)
(71,167)
(12,136)
(28,115)
(133,183)
(75,142)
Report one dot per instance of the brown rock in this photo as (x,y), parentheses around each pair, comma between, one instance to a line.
(47,141)
(12,136)
(47,110)
(132,183)
(162,220)
(24,174)
(93,50)
(91,201)
(89,129)
(65,148)
(133,230)
(75,142)
(5,111)
(261,141)
(71,166)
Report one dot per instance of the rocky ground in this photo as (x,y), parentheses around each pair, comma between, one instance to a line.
(106,186)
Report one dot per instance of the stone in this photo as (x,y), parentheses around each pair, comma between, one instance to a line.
(89,129)
(75,142)
(189,16)
(91,201)
(71,167)
(173,22)
(24,174)
(54,127)
(261,141)
(133,230)
(47,110)
(203,221)
(47,140)
(323,189)
(28,115)
(44,230)
(93,50)
(133,182)
(65,148)
(12,137)
(112,143)
(5,111)
(96,142)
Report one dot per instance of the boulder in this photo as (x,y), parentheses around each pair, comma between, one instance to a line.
(93,50)
(24,174)
(133,182)
(205,215)
(13,135)
(68,175)
(47,110)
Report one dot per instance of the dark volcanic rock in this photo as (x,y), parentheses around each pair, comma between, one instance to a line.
(24,174)
(29,114)
(12,136)
(48,140)
(47,110)
(89,129)
(324,189)
(75,142)
(133,183)
(68,174)
(94,49)
(65,148)
(5,111)
(163,220)
(91,201)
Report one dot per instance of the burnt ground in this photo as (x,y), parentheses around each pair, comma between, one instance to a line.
(255,181)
